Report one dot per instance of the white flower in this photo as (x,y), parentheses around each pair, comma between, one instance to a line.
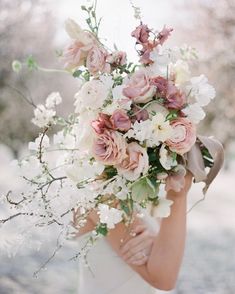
(91,96)
(118,187)
(83,170)
(64,140)
(161,128)
(165,159)
(155,107)
(141,131)
(194,113)
(43,116)
(45,143)
(109,215)
(161,59)
(53,99)
(163,208)
(201,90)
(181,71)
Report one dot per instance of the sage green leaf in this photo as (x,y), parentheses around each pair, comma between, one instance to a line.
(143,189)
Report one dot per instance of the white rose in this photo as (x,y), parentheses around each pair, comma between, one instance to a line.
(91,96)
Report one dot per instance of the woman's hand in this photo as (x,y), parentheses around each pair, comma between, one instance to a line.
(137,250)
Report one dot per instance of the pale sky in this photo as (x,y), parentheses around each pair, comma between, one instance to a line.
(118,18)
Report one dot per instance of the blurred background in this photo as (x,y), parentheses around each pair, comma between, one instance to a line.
(36,27)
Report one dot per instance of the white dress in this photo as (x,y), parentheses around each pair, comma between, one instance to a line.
(108,273)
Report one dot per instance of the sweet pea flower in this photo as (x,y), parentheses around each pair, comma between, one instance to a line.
(183,136)
(164,34)
(141,33)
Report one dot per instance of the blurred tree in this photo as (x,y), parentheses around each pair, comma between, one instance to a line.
(26,27)
(212,30)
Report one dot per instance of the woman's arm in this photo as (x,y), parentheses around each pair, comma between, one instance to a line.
(162,267)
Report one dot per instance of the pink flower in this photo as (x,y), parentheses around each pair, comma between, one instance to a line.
(117,58)
(75,54)
(183,137)
(120,120)
(110,148)
(102,123)
(161,84)
(176,180)
(139,114)
(135,164)
(175,98)
(96,60)
(164,34)
(141,33)
(139,88)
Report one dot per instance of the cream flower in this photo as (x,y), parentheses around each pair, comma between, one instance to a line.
(109,215)
(166,159)
(180,71)
(162,129)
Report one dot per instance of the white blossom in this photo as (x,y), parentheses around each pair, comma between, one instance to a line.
(162,129)
(43,116)
(201,90)
(53,99)
(109,215)
(166,159)
(194,112)
(180,71)
(42,140)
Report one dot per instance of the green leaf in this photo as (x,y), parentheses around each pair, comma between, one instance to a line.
(31,63)
(102,229)
(143,189)
(77,73)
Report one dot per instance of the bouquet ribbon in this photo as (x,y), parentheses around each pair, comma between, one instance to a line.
(195,163)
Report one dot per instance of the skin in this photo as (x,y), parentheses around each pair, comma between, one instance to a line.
(164,250)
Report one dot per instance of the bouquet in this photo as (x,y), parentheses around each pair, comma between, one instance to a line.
(132,133)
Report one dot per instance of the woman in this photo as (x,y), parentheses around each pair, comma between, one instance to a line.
(148,258)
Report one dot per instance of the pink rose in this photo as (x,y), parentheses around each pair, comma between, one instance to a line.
(141,33)
(117,58)
(139,88)
(75,54)
(110,148)
(183,137)
(176,180)
(135,164)
(102,123)
(164,34)
(96,60)
(120,120)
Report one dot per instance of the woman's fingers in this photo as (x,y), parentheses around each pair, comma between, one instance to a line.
(141,250)
(132,243)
